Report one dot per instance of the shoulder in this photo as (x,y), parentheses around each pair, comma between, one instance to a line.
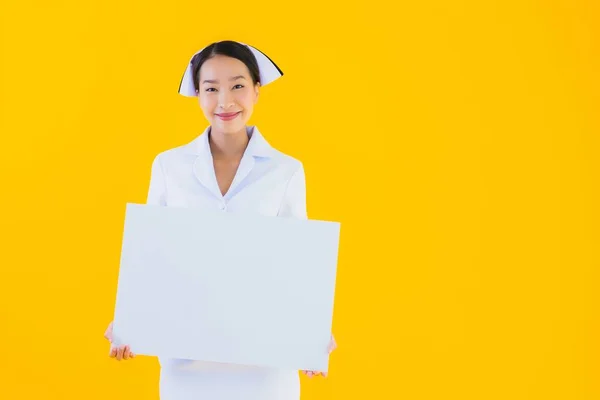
(260,147)
(286,161)
(178,154)
(171,154)
(291,169)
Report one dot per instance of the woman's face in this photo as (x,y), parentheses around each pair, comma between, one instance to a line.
(226,93)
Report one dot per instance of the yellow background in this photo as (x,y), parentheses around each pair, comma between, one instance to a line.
(456,141)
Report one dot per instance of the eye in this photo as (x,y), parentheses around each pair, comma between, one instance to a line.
(210,89)
(241,86)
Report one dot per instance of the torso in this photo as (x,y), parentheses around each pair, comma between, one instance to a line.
(189,183)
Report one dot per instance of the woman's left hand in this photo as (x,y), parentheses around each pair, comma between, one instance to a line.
(332,346)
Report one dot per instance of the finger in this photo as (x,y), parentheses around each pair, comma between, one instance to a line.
(108,332)
(126,353)
(129,353)
(120,353)
(332,345)
(113,352)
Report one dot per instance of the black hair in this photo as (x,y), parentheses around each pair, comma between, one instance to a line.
(227,48)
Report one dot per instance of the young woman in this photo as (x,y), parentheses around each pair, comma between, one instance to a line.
(232,168)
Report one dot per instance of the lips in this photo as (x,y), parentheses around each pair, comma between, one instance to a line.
(227,115)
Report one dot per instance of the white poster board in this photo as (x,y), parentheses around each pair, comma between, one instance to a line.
(224,287)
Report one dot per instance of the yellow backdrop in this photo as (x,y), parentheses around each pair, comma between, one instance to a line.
(456,141)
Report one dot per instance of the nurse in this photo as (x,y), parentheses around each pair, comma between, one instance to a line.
(230,167)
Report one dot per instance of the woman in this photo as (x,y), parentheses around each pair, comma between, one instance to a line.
(229,167)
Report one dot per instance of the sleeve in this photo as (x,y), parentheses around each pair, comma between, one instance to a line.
(294,200)
(157,190)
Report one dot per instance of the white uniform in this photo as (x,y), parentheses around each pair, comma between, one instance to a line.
(267,182)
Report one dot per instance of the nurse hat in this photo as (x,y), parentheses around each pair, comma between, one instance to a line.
(269,71)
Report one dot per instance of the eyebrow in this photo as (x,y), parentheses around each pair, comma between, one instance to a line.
(231,79)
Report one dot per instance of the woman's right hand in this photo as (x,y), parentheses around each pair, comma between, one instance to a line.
(119,352)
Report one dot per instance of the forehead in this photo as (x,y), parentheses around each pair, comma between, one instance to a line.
(224,67)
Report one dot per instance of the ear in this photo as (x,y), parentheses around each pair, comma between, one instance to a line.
(256,92)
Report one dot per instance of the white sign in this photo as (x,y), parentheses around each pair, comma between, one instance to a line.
(224,287)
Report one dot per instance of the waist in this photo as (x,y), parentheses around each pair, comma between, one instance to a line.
(175,364)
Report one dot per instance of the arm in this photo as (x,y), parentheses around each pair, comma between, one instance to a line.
(156,195)
(157,190)
(294,206)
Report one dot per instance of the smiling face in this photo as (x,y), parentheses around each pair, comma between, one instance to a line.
(226,93)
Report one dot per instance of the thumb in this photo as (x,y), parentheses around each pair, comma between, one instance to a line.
(108,332)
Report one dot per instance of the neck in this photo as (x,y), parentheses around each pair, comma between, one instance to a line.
(230,145)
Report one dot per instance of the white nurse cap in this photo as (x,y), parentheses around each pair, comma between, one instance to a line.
(269,71)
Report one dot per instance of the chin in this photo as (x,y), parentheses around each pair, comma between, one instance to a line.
(229,127)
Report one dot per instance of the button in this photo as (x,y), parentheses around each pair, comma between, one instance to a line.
(223,207)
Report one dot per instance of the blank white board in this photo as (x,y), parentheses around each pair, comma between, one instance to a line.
(224,287)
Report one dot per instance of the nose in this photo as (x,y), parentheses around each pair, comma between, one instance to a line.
(226,100)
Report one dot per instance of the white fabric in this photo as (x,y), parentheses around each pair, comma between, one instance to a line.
(267,182)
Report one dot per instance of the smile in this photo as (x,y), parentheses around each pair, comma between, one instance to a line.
(228,116)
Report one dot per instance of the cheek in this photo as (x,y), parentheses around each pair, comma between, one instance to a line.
(246,100)
(207,104)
